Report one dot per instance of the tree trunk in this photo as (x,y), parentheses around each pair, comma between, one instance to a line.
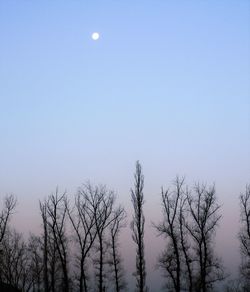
(101,266)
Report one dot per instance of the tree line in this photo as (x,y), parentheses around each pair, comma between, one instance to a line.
(78,248)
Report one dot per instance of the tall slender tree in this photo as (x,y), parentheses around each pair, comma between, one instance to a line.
(137,227)
(244,237)
(45,245)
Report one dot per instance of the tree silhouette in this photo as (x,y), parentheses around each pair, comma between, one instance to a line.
(204,219)
(102,202)
(45,246)
(53,212)
(8,208)
(137,226)
(36,262)
(189,224)
(116,260)
(16,261)
(9,204)
(244,237)
(57,260)
(82,218)
(56,211)
(175,260)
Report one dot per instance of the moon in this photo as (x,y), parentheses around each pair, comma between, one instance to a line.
(95,36)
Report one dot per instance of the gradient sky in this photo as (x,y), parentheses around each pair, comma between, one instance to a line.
(167,83)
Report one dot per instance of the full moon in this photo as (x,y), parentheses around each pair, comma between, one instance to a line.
(95,36)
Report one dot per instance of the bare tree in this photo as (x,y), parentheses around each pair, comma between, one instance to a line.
(56,211)
(244,237)
(82,218)
(36,263)
(54,265)
(175,261)
(16,261)
(51,265)
(137,226)
(8,208)
(9,204)
(55,243)
(116,260)
(204,213)
(45,245)
(170,260)
(186,248)
(102,200)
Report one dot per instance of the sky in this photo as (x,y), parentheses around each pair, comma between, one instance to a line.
(167,84)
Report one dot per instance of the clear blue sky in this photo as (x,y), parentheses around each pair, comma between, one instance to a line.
(167,83)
